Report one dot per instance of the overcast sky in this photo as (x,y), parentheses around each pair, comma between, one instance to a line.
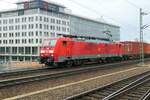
(124,13)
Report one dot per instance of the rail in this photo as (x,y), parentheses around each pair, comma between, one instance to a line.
(146,96)
(16,81)
(113,90)
(128,87)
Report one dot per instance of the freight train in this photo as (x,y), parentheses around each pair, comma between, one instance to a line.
(75,50)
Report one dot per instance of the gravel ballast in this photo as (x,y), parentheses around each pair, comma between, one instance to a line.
(65,90)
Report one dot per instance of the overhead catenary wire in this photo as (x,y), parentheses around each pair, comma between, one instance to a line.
(129,2)
(8,2)
(136,6)
(94,11)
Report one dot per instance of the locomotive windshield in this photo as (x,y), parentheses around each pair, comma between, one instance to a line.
(50,42)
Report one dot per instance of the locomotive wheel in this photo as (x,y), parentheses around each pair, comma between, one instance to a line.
(78,62)
(56,65)
(69,63)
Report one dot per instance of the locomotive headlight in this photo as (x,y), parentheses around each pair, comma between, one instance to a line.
(51,51)
(42,51)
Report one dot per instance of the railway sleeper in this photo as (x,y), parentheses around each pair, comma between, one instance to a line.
(133,95)
(111,89)
(126,98)
(95,95)
(88,98)
(106,91)
(138,93)
(103,93)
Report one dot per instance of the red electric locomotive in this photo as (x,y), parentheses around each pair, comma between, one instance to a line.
(71,50)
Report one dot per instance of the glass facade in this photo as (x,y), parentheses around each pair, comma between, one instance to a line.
(81,26)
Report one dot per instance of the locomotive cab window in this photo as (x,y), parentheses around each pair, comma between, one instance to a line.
(50,42)
(64,43)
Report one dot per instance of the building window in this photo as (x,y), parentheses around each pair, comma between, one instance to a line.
(40,40)
(14,50)
(9,34)
(63,29)
(24,19)
(63,22)
(51,27)
(5,21)
(16,41)
(17,20)
(36,25)
(18,27)
(29,41)
(5,28)
(11,21)
(27,50)
(40,26)
(68,23)
(5,35)
(45,26)
(31,26)
(37,41)
(40,18)
(40,33)
(30,19)
(44,19)
(21,50)
(34,50)
(68,29)
(10,42)
(36,18)
(24,34)
(48,20)
(21,12)
(36,33)
(53,20)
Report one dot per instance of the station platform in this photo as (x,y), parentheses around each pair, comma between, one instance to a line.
(19,65)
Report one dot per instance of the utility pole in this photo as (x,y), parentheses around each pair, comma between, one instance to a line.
(142,27)
(141,38)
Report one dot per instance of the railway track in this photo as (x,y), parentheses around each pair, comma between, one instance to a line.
(134,88)
(46,70)
(21,73)
(33,78)
(137,90)
(29,72)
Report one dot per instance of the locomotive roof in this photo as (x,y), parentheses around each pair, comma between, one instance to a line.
(84,37)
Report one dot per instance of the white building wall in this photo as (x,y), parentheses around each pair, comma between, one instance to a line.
(28,31)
